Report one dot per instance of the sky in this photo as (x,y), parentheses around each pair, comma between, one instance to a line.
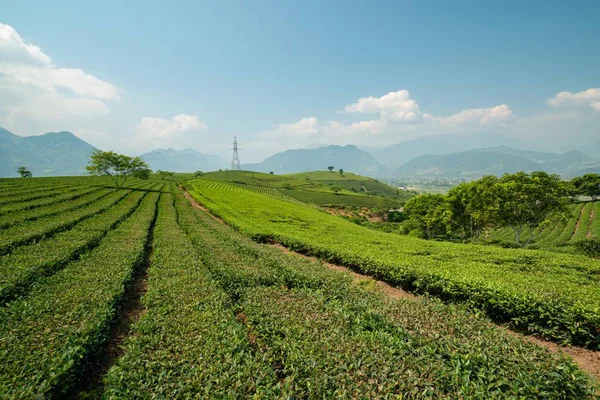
(139,75)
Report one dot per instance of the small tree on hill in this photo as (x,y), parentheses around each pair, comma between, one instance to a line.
(24,172)
(118,167)
(335,189)
(341,172)
(330,168)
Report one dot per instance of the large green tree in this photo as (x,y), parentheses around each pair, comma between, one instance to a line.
(587,185)
(473,207)
(118,167)
(528,200)
(430,212)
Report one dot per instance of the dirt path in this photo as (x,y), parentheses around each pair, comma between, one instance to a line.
(589,232)
(587,360)
(578,221)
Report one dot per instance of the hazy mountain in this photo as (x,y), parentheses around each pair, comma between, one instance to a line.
(187,160)
(349,158)
(495,161)
(51,154)
(564,164)
(398,154)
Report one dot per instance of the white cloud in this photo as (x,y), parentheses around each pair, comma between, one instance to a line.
(14,49)
(365,128)
(397,106)
(589,98)
(304,128)
(498,115)
(36,93)
(162,130)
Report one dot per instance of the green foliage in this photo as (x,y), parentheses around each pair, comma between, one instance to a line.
(430,211)
(47,336)
(335,189)
(587,185)
(589,247)
(330,168)
(164,174)
(24,172)
(556,295)
(229,318)
(118,167)
(28,264)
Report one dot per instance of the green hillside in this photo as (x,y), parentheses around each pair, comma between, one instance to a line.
(317,187)
(584,223)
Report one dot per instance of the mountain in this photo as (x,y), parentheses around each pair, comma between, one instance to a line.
(349,158)
(398,154)
(495,161)
(187,160)
(50,154)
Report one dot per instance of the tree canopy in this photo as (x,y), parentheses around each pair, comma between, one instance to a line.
(587,185)
(518,201)
(24,172)
(118,167)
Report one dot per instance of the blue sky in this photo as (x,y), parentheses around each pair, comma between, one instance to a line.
(281,74)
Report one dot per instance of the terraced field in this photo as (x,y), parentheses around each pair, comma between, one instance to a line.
(584,223)
(135,293)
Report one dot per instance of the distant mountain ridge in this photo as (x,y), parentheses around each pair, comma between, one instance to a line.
(496,161)
(349,158)
(187,160)
(396,155)
(50,154)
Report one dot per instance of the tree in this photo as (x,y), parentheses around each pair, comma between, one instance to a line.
(271,173)
(118,167)
(341,172)
(163,174)
(473,207)
(330,168)
(587,185)
(527,201)
(24,172)
(335,189)
(430,212)
(198,174)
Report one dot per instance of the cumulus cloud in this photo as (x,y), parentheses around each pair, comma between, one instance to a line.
(37,92)
(397,106)
(14,49)
(588,98)
(498,115)
(304,128)
(158,129)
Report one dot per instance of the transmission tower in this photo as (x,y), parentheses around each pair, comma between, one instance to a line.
(235,161)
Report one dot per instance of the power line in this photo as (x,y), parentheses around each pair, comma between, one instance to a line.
(235,161)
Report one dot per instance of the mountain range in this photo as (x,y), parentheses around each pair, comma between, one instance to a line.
(349,158)
(396,155)
(51,154)
(62,153)
(497,161)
